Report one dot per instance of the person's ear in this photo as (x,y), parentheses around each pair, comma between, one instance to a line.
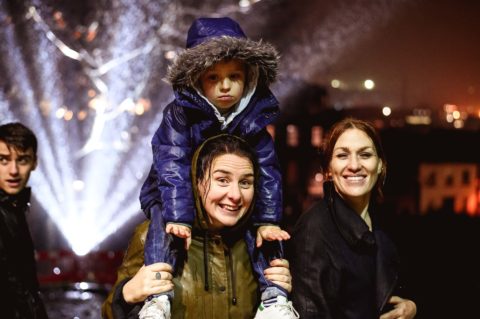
(380,167)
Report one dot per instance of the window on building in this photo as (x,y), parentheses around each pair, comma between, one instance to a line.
(293,135)
(449,180)
(316,136)
(431,179)
(448,204)
(466,177)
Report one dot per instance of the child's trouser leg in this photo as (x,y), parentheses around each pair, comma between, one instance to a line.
(261,258)
(159,245)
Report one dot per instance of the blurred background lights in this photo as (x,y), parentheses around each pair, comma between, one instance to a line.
(458,123)
(369,84)
(60,113)
(386,110)
(139,109)
(102,79)
(68,115)
(81,115)
(170,55)
(78,185)
(456,115)
(335,83)
(244,3)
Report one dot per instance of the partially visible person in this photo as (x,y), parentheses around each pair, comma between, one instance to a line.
(221,85)
(19,289)
(214,279)
(343,265)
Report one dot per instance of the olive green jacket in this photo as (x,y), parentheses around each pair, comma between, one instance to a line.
(191,300)
(220,286)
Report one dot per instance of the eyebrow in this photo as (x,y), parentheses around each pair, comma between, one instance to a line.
(20,156)
(24,156)
(345,148)
(230,173)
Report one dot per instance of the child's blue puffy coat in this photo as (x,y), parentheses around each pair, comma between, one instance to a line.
(189,120)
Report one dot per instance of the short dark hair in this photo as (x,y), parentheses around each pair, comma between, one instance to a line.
(18,136)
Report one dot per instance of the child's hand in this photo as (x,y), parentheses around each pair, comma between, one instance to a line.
(180,231)
(270,233)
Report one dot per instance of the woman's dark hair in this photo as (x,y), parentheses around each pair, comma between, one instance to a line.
(338,129)
(18,136)
(220,145)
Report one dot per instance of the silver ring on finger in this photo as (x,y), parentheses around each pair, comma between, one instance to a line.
(158,275)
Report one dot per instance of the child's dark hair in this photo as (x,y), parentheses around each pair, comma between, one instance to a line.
(18,136)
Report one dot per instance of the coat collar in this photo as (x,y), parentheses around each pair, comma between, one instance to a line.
(356,233)
(261,110)
(350,225)
(20,200)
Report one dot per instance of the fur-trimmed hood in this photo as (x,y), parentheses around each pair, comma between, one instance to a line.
(211,40)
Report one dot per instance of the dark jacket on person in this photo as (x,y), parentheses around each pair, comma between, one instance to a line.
(340,269)
(19,290)
(190,119)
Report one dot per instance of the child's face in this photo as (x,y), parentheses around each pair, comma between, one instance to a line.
(223,84)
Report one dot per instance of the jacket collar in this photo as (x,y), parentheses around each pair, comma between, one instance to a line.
(261,110)
(20,200)
(350,225)
(356,233)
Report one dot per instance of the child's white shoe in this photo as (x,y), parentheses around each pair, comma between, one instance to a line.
(156,308)
(281,309)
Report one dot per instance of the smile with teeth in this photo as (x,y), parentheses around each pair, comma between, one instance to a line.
(230,207)
(355,178)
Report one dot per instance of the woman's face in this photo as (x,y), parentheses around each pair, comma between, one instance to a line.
(228,189)
(355,166)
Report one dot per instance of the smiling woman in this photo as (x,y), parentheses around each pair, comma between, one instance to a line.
(355,161)
(343,265)
(215,277)
(227,197)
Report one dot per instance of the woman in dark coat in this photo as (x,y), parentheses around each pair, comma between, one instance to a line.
(343,266)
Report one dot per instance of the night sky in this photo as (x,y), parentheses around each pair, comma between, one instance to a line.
(428,53)
(418,52)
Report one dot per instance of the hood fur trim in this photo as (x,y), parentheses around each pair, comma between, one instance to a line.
(190,64)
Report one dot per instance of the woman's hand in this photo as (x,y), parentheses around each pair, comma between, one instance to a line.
(146,282)
(279,274)
(403,309)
